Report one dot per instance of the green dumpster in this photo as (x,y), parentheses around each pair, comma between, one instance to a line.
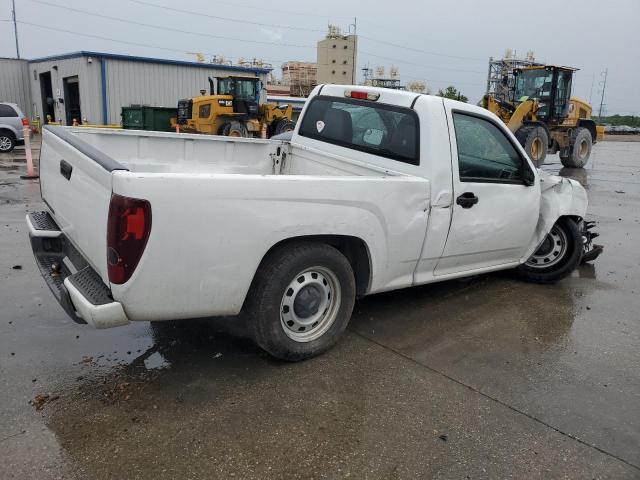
(142,117)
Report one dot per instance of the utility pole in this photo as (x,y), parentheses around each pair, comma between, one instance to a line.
(604,86)
(15,26)
(355,47)
(593,79)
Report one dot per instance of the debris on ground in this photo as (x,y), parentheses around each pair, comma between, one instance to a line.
(41,399)
(17,267)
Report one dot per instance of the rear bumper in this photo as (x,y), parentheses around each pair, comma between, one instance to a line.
(72,281)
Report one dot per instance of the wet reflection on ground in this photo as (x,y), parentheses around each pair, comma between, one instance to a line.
(487,377)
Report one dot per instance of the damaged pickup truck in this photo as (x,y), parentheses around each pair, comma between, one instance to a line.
(376,190)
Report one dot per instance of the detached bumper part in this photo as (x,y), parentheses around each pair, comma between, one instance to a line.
(591,250)
(73,282)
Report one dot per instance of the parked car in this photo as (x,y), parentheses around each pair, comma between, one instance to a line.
(12,121)
(376,190)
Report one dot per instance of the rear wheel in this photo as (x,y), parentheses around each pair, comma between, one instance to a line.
(557,256)
(535,141)
(580,143)
(283,125)
(234,129)
(7,141)
(301,300)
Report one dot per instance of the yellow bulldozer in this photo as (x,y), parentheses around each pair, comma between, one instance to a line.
(232,109)
(545,118)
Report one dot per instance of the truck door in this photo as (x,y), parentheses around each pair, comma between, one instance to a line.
(496,196)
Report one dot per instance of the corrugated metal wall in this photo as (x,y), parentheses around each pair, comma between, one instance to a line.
(90,85)
(155,84)
(14,84)
(127,82)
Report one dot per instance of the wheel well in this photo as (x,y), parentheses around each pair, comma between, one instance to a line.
(9,131)
(353,248)
(576,218)
(589,125)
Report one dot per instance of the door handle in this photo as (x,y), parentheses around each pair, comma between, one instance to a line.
(467,200)
(65,169)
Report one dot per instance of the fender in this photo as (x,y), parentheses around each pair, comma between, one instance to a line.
(559,197)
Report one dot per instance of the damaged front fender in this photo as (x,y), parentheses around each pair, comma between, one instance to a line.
(559,197)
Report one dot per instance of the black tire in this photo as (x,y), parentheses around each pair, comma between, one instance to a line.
(7,141)
(580,143)
(283,125)
(234,129)
(553,261)
(266,307)
(535,141)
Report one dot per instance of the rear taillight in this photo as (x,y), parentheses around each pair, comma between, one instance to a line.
(373,96)
(25,122)
(128,229)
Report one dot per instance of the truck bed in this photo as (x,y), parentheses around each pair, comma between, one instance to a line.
(162,152)
(228,199)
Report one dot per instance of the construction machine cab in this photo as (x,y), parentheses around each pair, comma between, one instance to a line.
(245,93)
(549,85)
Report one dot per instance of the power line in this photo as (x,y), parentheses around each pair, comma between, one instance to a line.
(188,32)
(273,10)
(208,35)
(413,49)
(217,17)
(420,64)
(120,41)
(383,42)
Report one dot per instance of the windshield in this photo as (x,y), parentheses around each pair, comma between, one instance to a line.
(533,84)
(225,86)
(241,89)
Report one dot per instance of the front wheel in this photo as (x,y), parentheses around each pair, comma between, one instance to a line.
(301,300)
(234,129)
(283,125)
(535,141)
(557,256)
(580,143)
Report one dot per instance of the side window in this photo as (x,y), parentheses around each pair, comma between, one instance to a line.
(7,111)
(364,125)
(204,111)
(485,154)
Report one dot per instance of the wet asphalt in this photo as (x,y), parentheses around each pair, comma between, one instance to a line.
(488,377)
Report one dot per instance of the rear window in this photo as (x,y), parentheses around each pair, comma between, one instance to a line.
(7,111)
(362,125)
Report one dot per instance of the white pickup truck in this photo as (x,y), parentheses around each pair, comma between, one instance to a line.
(376,190)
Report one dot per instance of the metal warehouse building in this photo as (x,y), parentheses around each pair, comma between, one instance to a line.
(14,84)
(93,86)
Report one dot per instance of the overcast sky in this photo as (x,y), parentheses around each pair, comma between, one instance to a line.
(444,42)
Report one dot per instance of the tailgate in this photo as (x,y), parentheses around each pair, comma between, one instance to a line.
(75,181)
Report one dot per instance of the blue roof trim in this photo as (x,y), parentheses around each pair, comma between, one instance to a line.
(132,58)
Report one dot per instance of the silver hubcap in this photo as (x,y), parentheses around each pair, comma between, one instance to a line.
(5,143)
(551,251)
(310,304)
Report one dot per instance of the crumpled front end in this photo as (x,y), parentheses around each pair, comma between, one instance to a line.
(561,197)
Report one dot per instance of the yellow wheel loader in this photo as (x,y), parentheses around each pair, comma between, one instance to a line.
(545,118)
(233,110)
